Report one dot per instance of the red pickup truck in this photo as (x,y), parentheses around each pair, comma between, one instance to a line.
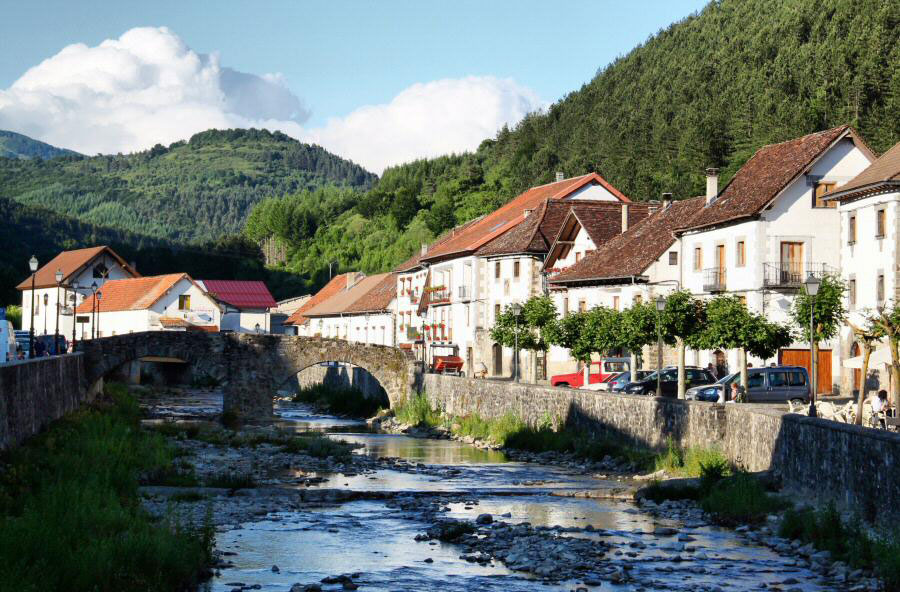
(599,371)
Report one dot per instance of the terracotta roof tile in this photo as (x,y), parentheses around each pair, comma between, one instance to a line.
(69,262)
(335,285)
(511,214)
(240,294)
(132,293)
(379,298)
(343,300)
(766,174)
(884,171)
(632,252)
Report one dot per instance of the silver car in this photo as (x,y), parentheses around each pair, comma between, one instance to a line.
(777,384)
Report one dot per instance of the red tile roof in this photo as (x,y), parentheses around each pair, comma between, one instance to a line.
(70,262)
(475,235)
(379,298)
(345,300)
(335,285)
(240,294)
(632,252)
(132,293)
(768,173)
(414,261)
(882,174)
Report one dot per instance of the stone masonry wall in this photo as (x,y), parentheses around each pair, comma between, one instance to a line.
(822,460)
(35,392)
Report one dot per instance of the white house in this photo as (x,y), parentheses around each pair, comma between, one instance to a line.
(246,304)
(171,302)
(768,229)
(79,269)
(637,265)
(869,206)
(299,323)
(362,312)
(283,310)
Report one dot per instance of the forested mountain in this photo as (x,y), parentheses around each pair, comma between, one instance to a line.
(201,189)
(706,91)
(13,145)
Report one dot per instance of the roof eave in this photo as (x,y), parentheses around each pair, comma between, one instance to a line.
(604,280)
(885,185)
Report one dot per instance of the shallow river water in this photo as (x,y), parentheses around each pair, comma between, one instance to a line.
(377,539)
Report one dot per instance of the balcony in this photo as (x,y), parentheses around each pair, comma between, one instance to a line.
(714,279)
(465,292)
(439,295)
(790,275)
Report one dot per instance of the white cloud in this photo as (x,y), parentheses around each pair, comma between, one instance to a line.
(149,87)
(427,120)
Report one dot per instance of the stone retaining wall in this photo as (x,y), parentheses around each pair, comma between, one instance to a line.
(822,460)
(35,392)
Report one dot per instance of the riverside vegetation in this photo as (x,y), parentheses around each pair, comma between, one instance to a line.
(70,513)
(347,401)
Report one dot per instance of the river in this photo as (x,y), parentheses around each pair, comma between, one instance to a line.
(375,540)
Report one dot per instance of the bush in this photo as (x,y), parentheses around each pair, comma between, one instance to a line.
(739,499)
(318,446)
(70,515)
(689,462)
(417,411)
(343,401)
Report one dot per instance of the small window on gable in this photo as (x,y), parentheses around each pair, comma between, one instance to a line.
(879,223)
(698,258)
(497,270)
(515,269)
(184,302)
(741,253)
(851,230)
(821,190)
(100,271)
(673,257)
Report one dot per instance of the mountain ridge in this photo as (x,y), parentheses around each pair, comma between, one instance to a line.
(16,145)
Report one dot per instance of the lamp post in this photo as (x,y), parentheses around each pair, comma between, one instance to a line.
(812,284)
(93,309)
(46,302)
(516,310)
(99,297)
(74,316)
(660,307)
(32,265)
(59,277)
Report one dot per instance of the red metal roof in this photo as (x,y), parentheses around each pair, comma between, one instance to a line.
(240,294)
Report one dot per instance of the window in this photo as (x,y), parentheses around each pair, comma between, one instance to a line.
(82,320)
(851,230)
(879,289)
(851,289)
(582,306)
(615,303)
(496,312)
(819,200)
(497,270)
(516,269)
(577,257)
(879,224)
(698,258)
(756,380)
(743,300)
(778,379)
(673,257)
(741,253)
(637,300)
(565,306)
(100,271)
(184,302)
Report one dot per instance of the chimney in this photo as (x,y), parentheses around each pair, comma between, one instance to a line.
(528,213)
(560,175)
(424,249)
(666,200)
(624,217)
(712,184)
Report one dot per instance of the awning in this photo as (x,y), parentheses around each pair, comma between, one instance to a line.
(879,357)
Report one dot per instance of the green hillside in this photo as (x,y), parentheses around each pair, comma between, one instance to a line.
(706,91)
(13,145)
(197,190)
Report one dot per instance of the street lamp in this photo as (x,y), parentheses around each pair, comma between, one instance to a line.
(99,297)
(59,277)
(46,302)
(74,316)
(516,310)
(93,309)
(812,284)
(660,307)
(32,265)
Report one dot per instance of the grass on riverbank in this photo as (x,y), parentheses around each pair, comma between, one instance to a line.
(70,515)
(341,401)
(846,541)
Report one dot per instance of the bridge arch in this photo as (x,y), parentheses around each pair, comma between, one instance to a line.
(250,367)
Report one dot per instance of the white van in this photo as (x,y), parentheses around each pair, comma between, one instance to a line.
(7,342)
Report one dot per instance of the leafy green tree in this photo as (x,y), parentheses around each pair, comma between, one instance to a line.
(829,313)
(867,337)
(535,325)
(682,322)
(14,315)
(638,326)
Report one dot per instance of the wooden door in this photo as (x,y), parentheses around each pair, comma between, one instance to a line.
(792,262)
(800,357)
(720,263)
(498,359)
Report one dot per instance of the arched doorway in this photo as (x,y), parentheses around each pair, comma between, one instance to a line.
(497,355)
(857,372)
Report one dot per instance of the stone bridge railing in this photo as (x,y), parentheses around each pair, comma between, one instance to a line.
(250,367)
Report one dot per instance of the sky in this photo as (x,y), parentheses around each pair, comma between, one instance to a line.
(380,82)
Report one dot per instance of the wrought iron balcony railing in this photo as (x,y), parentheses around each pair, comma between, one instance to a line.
(465,292)
(714,279)
(791,274)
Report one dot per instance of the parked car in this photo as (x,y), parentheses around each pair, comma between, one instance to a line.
(599,371)
(777,384)
(602,385)
(8,345)
(617,384)
(669,381)
(22,343)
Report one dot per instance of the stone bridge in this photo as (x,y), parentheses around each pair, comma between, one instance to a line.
(249,367)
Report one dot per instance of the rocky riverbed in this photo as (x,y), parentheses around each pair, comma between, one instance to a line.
(414,510)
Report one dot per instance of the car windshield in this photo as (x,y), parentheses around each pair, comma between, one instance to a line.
(728,379)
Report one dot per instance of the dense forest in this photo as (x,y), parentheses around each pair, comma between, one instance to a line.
(13,145)
(706,91)
(191,191)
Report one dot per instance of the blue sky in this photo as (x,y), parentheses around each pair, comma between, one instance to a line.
(337,57)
